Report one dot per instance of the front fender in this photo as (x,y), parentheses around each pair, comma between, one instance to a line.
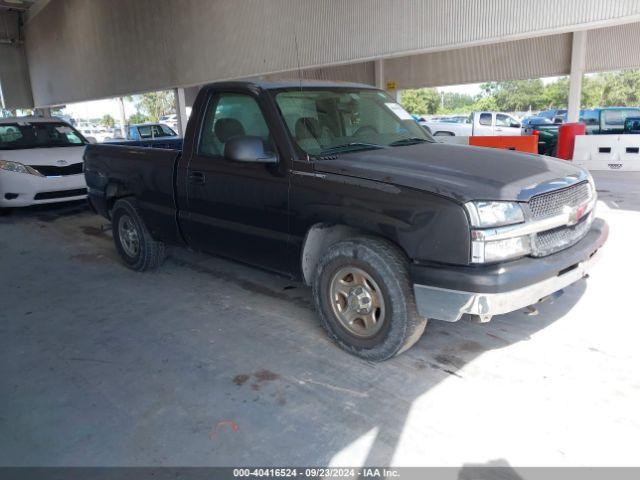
(426,226)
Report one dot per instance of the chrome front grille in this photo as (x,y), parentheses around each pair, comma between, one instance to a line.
(553,203)
(551,241)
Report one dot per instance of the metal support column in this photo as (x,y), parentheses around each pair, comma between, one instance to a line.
(578,51)
(181,111)
(379,73)
(123,117)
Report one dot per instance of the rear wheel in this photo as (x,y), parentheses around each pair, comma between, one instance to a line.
(134,243)
(365,300)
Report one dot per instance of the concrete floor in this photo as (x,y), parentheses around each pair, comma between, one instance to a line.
(206,362)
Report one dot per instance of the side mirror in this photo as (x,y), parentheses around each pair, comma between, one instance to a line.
(248,149)
(91,139)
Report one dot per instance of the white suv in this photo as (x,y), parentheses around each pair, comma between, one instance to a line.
(40,162)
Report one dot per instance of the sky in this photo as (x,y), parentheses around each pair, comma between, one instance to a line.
(98,109)
(474,88)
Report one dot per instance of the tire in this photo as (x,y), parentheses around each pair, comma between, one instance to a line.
(398,326)
(128,230)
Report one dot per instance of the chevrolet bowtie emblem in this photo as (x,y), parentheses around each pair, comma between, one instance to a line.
(576,213)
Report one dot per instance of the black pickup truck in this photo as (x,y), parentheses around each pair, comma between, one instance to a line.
(336,185)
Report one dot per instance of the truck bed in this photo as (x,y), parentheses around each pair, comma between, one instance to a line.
(148,174)
(167,143)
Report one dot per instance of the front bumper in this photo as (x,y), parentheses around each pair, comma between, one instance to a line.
(22,190)
(446,293)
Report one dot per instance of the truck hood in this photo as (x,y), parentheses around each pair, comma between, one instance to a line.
(460,172)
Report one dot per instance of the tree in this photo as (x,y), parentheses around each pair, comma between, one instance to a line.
(621,88)
(592,89)
(456,102)
(485,103)
(556,94)
(138,118)
(516,95)
(108,121)
(420,101)
(155,104)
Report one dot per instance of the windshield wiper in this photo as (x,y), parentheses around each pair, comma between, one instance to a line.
(408,141)
(351,146)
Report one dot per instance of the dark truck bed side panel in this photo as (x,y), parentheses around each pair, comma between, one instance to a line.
(148,174)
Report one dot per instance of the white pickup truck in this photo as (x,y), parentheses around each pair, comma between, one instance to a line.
(478,124)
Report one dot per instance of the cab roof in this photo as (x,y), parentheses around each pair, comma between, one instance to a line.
(284,84)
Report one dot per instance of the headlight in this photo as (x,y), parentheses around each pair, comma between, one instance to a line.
(494,214)
(18,168)
(498,250)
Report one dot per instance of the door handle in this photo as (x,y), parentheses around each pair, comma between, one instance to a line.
(197,177)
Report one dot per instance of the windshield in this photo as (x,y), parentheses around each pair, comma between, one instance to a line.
(23,135)
(155,131)
(324,121)
(539,121)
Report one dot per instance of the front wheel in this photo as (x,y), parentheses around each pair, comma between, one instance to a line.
(134,243)
(365,300)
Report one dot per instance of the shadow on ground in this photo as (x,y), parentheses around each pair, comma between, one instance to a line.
(203,362)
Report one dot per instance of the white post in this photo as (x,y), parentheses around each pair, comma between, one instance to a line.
(379,74)
(181,111)
(123,117)
(578,53)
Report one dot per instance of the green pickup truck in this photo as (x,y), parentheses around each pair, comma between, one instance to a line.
(599,121)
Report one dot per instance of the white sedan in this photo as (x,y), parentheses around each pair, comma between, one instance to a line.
(40,162)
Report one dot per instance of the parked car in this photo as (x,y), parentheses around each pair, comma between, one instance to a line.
(170,120)
(608,120)
(546,130)
(632,125)
(336,185)
(97,133)
(479,124)
(149,131)
(598,121)
(40,162)
(456,119)
(535,121)
(556,115)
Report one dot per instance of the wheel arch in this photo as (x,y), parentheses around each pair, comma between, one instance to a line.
(113,192)
(321,236)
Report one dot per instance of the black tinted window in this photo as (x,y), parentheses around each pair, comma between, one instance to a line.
(23,135)
(485,119)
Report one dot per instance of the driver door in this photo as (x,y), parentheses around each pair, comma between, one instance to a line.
(506,125)
(236,209)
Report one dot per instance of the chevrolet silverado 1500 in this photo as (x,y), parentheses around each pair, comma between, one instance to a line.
(335,184)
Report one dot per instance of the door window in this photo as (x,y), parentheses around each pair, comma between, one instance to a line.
(503,120)
(231,115)
(485,119)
